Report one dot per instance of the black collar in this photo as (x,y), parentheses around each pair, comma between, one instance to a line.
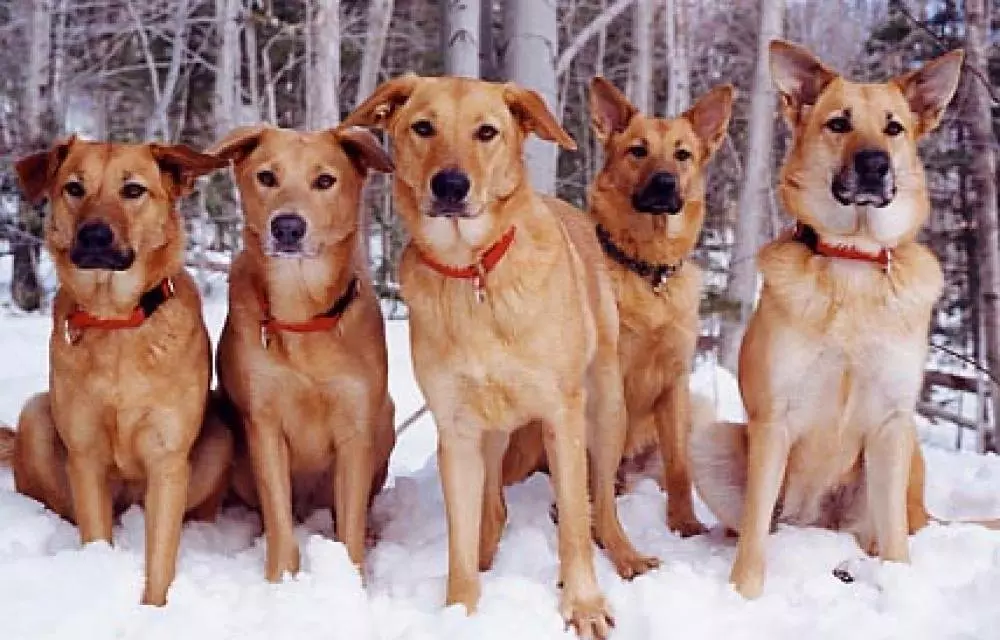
(656,274)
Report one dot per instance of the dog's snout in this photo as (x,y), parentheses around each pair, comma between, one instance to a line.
(871,164)
(94,236)
(663,182)
(661,194)
(288,229)
(450,185)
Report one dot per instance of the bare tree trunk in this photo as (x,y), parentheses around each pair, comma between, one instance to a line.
(532,48)
(158,121)
(461,33)
(253,77)
(983,193)
(679,71)
(37,72)
(324,66)
(226,76)
(754,202)
(379,18)
(641,71)
(57,101)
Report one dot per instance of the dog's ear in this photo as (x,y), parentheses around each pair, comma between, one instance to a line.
(930,88)
(709,117)
(610,110)
(236,145)
(380,108)
(183,165)
(799,77)
(533,116)
(364,150)
(35,172)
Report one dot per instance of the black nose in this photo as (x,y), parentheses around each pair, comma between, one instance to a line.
(662,183)
(94,236)
(871,164)
(288,229)
(450,185)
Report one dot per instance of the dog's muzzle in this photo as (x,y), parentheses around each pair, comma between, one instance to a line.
(450,190)
(867,180)
(286,236)
(94,247)
(661,194)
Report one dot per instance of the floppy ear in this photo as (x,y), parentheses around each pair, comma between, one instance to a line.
(610,110)
(378,110)
(930,88)
(183,164)
(798,76)
(531,113)
(709,117)
(364,150)
(238,143)
(35,172)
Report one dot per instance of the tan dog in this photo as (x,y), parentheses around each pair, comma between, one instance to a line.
(649,204)
(129,354)
(302,356)
(832,360)
(513,323)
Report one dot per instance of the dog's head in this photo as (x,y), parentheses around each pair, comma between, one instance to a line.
(112,205)
(853,169)
(458,145)
(656,166)
(300,191)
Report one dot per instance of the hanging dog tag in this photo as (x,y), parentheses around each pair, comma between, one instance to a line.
(479,282)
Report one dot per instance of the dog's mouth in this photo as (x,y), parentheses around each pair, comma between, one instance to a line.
(107,259)
(658,204)
(459,210)
(863,184)
(289,250)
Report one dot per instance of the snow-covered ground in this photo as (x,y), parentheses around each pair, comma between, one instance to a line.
(50,587)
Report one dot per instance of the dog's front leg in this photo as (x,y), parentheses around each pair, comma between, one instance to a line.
(272,474)
(460,457)
(494,506)
(167,479)
(673,423)
(353,481)
(582,605)
(888,457)
(92,504)
(767,459)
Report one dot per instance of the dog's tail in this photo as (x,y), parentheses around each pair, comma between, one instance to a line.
(8,438)
(718,454)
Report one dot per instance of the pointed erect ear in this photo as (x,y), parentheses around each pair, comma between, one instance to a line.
(184,165)
(930,88)
(35,172)
(610,110)
(238,143)
(798,76)
(709,117)
(533,115)
(364,150)
(382,106)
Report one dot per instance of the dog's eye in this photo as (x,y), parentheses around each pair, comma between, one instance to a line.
(682,154)
(267,178)
(323,181)
(893,129)
(423,128)
(638,151)
(839,124)
(486,132)
(133,191)
(74,189)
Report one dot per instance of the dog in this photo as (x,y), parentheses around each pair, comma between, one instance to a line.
(831,364)
(513,323)
(648,204)
(122,421)
(302,358)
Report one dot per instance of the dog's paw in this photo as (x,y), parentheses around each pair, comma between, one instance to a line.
(747,578)
(634,565)
(282,560)
(686,526)
(589,616)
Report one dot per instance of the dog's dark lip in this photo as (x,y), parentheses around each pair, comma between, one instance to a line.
(657,208)
(103,260)
(449,210)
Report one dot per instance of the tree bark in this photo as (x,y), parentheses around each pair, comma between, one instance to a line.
(531,34)
(158,121)
(678,68)
(754,202)
(37,72)
(324,67)
(379,18)
(983,194)
(228,67)
(461,33)
(641,71)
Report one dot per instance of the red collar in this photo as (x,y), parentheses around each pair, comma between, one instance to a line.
(149,302)
(325,321)
(808,236)
(488,260)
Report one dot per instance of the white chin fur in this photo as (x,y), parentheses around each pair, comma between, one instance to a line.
(454,234)
(675,225)
(890,223)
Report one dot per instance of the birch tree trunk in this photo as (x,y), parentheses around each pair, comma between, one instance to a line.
(37,71)
(461,33)
(324,67)
(641,72)
(755,200)
(379,18)
(531,34)
(224,102)
(983,195)
(158,121)
(678,68)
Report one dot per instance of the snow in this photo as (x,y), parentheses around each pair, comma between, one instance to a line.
(50,587)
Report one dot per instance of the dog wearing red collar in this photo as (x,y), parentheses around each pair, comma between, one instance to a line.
(831,363)
(302,358)
(513,326)
(122,421)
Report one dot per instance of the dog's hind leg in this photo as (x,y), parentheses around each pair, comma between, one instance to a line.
(211,468)
(39,459)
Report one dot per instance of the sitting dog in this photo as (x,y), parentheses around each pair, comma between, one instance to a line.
(513,323)
(302,358)
(129,355)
